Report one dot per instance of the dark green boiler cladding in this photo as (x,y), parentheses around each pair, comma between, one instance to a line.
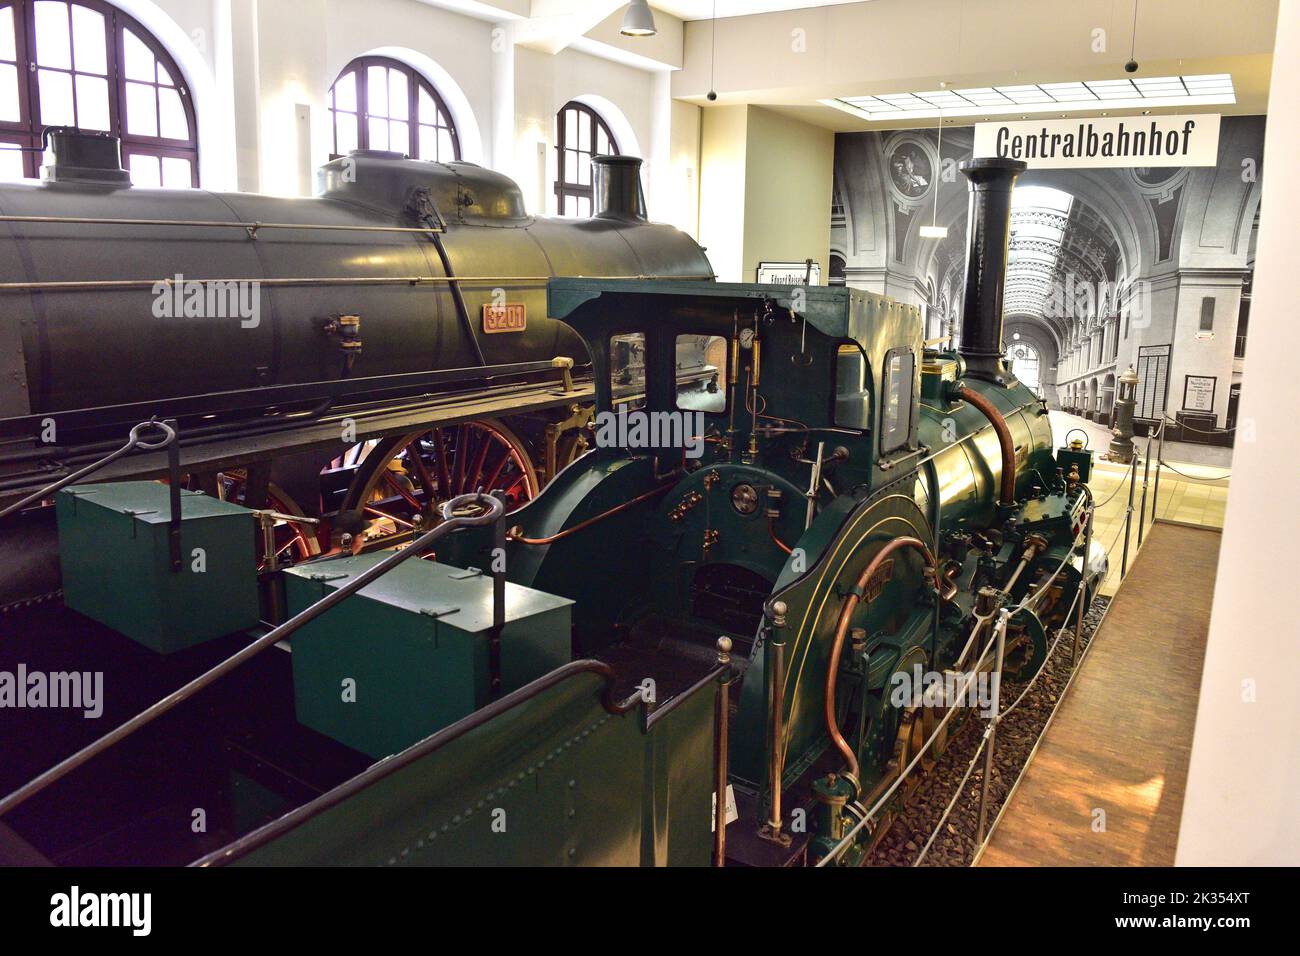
(85,322)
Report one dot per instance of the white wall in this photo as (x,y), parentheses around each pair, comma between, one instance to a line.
(544,83)
(261,70)
(1245,770)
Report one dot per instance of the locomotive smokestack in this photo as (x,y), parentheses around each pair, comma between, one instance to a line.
(81,157)
(988,233)
(617,188)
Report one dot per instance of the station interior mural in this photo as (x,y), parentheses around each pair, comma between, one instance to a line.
(1148,268)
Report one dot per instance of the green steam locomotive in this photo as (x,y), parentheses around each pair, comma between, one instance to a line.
(729,634)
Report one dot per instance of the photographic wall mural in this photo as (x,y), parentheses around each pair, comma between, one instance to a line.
(1109,268)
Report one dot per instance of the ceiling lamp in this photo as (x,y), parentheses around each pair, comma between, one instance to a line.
(638,20)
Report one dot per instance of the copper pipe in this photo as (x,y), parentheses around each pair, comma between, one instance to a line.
(842,629)
(516,534)
(990,411)
(771,529)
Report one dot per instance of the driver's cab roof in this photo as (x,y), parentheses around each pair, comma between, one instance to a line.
(599,307)
(805,332)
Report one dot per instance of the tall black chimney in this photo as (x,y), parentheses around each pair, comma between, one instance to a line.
(988,232)
(617,182)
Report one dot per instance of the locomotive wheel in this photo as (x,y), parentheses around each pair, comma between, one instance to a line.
(294,541)
(404,476)
(1026,647)
(915,722)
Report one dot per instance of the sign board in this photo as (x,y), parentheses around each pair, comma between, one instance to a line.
(733,814)
(1198,393)
(1102,141)
(789,273)
(511,317)
(1153,373)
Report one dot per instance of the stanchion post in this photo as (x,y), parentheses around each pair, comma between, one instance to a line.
(723,714)
(1160,463)
(1128,515)
(1083,587)
(1146,473)
(771,830)
(1000,634)
(271,564)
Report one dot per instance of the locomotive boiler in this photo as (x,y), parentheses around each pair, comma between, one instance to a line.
(708,640)
(403,306)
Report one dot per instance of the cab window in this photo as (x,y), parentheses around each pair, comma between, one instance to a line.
(896,400)
(702,373)
(627,370)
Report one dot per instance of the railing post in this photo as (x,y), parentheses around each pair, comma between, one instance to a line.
(722,718)
(771,830)
(1083,586)
(174,493)
(1000,632)
(1146,473)
(1160,462)
(1128,515)
(271,564)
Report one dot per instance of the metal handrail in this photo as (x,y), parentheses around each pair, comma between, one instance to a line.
(101,285)
(495,511)
(390,765)
(251,227)
(135,441)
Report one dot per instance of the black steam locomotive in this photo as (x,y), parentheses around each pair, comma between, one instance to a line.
(354,358)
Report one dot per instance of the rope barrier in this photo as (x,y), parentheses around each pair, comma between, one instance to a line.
(1074,672)
(934,835)
(1165,464)
(850,837)
(1201,431)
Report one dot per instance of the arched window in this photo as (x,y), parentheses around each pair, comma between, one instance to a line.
(836,271)
(580,134)
(1024,363)
(380,103)
(87,64)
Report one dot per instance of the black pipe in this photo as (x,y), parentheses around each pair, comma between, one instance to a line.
(987,236)
(617,188)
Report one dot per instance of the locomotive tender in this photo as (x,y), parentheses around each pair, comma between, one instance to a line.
(648,632)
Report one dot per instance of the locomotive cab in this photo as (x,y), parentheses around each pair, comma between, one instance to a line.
(802,395)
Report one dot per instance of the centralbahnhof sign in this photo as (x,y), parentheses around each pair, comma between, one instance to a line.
(1104,141)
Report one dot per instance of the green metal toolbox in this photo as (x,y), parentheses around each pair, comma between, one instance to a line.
(408,654)
(116,559)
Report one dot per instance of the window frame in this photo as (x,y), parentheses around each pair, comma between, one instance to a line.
(29,131)
(722,373)
(907,415)
(565,189)
(415,81)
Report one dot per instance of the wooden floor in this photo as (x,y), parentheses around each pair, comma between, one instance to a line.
(1121,741)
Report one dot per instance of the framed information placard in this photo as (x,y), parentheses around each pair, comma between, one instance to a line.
(789,273)
(1198,393)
